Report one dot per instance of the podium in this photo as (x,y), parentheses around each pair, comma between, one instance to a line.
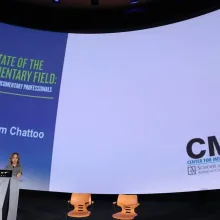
(9,194)
(4,197)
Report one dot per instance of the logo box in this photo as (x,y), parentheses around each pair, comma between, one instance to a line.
(191,170)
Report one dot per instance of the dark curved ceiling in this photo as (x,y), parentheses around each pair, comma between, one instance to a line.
(85,3)
(80,16)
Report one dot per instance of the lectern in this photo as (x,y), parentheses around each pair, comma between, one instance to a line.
(9,193)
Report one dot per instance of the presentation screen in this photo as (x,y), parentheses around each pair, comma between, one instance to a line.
(123,113)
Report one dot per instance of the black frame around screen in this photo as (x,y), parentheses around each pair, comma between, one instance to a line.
(57,18)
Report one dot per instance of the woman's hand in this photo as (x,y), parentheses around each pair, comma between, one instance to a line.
(18,175)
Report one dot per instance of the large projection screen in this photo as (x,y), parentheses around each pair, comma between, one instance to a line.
(124,113)
(129,104)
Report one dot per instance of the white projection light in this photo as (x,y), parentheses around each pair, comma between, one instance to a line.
(134,1)
(56,1)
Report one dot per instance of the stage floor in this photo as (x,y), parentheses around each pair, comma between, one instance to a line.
(35,205)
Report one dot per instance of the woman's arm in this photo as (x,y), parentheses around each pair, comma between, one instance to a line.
(19,172)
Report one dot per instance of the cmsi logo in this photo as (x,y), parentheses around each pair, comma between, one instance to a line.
(203,160)
(212,146)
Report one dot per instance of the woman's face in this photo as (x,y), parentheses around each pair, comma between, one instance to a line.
(14,159)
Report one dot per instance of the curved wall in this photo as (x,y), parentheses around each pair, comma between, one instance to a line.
(122,116)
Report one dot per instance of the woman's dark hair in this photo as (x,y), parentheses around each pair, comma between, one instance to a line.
(12,155)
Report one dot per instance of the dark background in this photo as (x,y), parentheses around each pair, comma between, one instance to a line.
(37,205)
(100,20)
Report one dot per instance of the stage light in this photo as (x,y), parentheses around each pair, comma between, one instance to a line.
(56,1)
(134,1)
(95,2)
